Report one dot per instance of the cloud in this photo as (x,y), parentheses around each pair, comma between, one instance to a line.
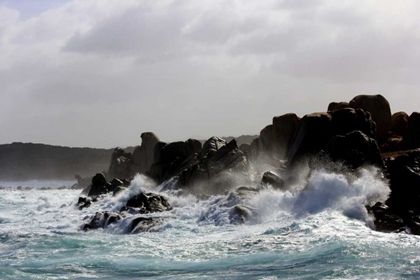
(88,72)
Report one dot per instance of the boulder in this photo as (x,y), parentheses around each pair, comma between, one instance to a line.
(101,220)
(355,149)
(239,214)
(380,111)
(337,106)
(404,177)
(284,128)
(120,165)
(144,224)
(316,130)
(271,179)
(98,187)
(148,203)
(311,136)
(399,123)
(170,159)
(385,218)
(143,156)
(216,168)
(266,139)
(347,120)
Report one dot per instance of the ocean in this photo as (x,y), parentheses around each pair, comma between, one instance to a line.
(317,231)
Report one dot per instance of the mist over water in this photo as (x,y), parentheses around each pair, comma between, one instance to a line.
(319,228)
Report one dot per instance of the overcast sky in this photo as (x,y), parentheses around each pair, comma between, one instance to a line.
(98,73)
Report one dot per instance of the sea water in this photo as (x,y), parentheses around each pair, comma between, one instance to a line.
(319,231)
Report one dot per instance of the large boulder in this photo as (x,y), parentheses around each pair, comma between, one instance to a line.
(271,179)
(143,156)
(148,203)
(380,111)
(101,220)
(170,159)
(355,149)
(120,165)
(219,166)
(98,186)
(399,123)
(284,128)
(337,106)
(404,175)
(316,130)
(311,136)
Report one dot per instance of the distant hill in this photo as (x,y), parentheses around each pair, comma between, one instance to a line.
(27,161)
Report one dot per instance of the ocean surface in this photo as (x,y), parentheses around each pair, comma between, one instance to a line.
(317,231)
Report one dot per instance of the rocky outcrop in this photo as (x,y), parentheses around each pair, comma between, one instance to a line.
(402,209)
(97,187)
(355,149)
(170,158)
(120,165)
(218,166)
(404,175)
(101,220)
(125,165)
(399,123)
(284,128)
(275,139)
(143,203)
(143,156)
(212,168)
(380,111)
(337,106)
(147,203)
(315,132)
(271,179)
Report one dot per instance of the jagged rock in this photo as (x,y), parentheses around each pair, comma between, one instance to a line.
(315,131)
(99,180)
(120,164)
(101,220)
(170,159)
(347,120)
(266,138)
(99,186)
(239,214)
(245,148)
(218,166)
(144,224)
(284,128)
(355,149)
(211,146)
(82,182)
(337,106)
(311,136)
(143,156)
(270,178)
(404,175)
(380,111)
(148,203)
(385,218)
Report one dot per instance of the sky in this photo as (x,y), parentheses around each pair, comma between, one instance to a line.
(95,73)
